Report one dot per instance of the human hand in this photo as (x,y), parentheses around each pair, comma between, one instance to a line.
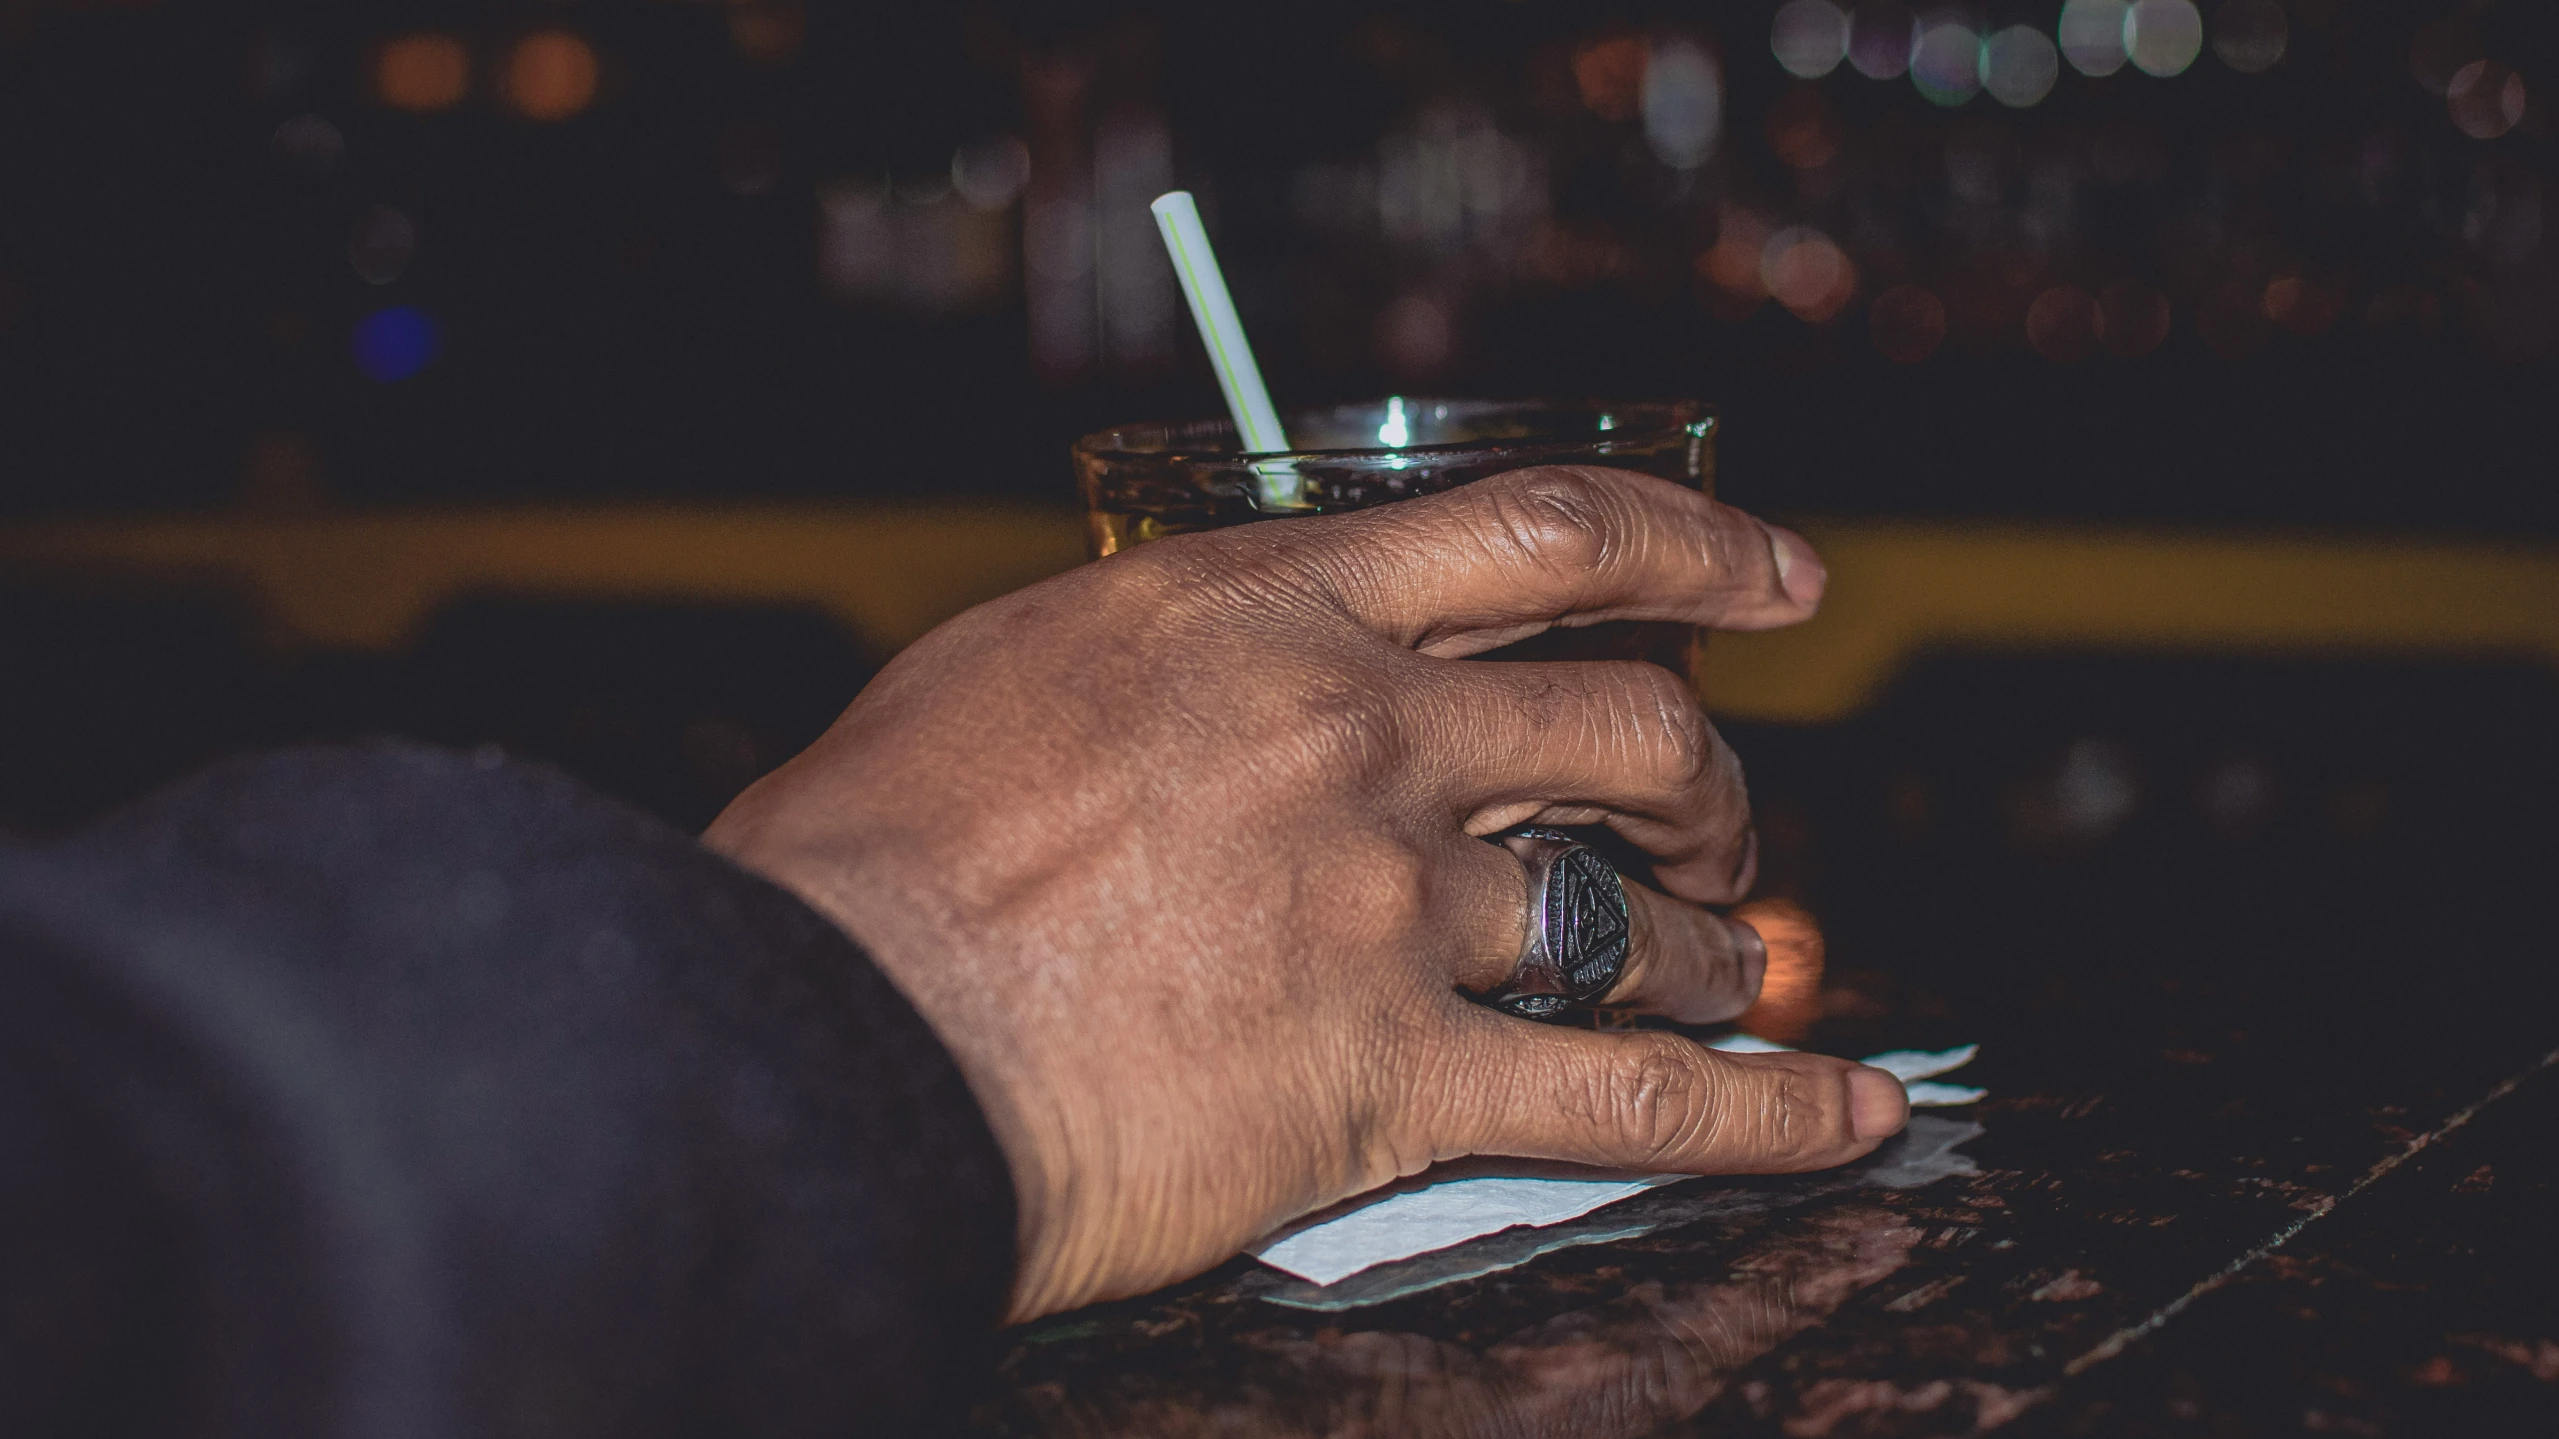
(1180,854)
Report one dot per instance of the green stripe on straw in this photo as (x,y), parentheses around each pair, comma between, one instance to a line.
(1256,423)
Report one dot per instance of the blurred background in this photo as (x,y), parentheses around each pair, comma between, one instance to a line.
(2244,259)
(622,382)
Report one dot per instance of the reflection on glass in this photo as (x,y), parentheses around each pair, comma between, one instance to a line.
(1654,1354)
(1396,432)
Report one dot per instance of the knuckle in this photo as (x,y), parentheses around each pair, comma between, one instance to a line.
(1671,725)
(1150,593)
(1663,1102)
(1151,568)
(1560,517)
(1347,720)
(1378,889)
(1674,1105)
(1779,1124)
(1745,871)
(1259,572)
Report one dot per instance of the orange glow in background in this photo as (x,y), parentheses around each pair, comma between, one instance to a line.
(423,72)
(1790,998)
(551,75)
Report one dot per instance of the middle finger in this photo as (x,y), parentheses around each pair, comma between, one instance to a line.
(1618,742)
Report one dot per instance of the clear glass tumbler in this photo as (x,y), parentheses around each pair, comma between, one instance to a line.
(1145,481)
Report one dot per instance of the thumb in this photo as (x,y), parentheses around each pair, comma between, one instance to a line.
(1652,1100)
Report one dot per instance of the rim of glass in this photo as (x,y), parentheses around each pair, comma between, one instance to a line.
(1674,417)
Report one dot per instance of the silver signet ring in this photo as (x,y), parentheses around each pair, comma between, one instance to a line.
(1577,926)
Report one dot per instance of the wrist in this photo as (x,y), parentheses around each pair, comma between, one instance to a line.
(826,875)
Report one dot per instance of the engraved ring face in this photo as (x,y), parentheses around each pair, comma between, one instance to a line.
(1578,930)
(1586,921)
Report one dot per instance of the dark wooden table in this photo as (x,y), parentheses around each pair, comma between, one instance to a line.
(2272,1145)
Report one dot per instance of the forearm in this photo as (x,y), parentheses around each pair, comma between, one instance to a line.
(458,1088)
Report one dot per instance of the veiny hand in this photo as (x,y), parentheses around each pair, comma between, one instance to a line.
(1180,854)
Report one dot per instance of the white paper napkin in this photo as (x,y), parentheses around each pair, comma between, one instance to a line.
(1435,1216)
(1455,1204)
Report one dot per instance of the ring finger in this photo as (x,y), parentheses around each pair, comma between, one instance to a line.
(1682,962)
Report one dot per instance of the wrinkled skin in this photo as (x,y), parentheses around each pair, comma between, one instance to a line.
(1180,853)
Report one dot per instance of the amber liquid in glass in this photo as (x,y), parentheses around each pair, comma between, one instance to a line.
(1145,482)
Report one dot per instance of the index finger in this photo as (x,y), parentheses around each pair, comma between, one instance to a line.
(1499,560)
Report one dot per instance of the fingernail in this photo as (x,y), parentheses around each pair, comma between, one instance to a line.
(1754,957)
(1799,569)
(1878,1106)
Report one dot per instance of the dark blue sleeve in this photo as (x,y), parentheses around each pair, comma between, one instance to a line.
(387,1091)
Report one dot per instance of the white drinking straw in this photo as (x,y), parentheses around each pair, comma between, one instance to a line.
(1256,423)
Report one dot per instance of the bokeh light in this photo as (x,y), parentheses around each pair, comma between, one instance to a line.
(768,32)
(1946,64)
(2163,37)
(1809,37)
(2301,305)
(1415,337)
(1610,75)
(1790,991)
(2486,99)
(393,344)
(1880,34)
(310,146)
(2063,324)
(2232,321)
(551,75)
(1907,324)
(381,244)
(1683,103)
(2092,35)
(2404,307)
(2237,795)
(1732,267)
(2249,35)
(2132,318)
(991,174)
(422,72)
(1807,273)
(2082,798)
(2440,50)
(2019,66)
(1803,128)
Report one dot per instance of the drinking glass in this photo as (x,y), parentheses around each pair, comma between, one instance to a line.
(1144,481)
